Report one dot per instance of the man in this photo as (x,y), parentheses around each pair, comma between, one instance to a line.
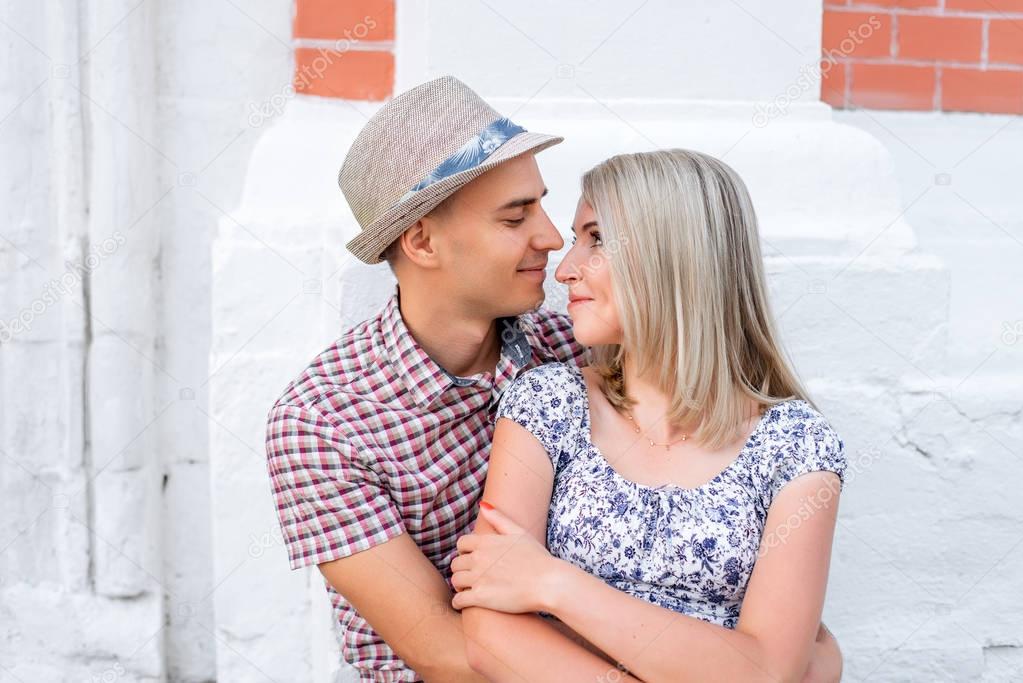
(377,452)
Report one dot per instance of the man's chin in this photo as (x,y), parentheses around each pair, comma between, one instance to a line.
(524,303)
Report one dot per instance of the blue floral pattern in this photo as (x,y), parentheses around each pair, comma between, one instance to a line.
(471,154)
(691,550)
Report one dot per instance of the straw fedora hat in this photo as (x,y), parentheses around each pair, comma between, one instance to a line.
(416,151)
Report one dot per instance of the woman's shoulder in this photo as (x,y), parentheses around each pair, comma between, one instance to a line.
(797,420)
(549,378)
(547,402)
(796,439)
(550,388)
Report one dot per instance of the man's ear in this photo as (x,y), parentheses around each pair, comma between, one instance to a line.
(418,243)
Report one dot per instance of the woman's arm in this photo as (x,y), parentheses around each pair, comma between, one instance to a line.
(521,648)
(525,647)
(780,613)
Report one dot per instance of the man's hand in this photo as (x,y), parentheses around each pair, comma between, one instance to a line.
(825,660)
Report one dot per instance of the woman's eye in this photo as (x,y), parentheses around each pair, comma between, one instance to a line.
(516,221)
(596,239)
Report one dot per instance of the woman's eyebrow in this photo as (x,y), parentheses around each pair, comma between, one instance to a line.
(525,201)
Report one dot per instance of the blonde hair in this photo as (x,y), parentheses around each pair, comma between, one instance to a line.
(680,235)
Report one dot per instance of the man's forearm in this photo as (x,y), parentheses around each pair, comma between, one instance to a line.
(448,661)
(407,602)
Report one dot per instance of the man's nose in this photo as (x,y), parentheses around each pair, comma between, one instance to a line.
(549,238)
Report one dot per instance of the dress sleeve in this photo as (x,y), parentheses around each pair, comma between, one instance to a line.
(544,401)
(329,502)
(809,444)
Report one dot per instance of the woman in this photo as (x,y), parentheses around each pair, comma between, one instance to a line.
(684,484)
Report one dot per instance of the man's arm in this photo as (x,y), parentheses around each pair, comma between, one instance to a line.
(405,599)
(826,659)
(420,624)
(335,513)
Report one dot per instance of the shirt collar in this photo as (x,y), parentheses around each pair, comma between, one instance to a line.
(424,377)
(529,329)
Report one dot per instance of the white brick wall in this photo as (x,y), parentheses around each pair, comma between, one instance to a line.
(114,117)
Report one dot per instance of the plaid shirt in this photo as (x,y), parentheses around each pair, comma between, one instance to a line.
(375,439)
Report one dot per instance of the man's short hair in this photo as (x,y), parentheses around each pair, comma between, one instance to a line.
(390,254)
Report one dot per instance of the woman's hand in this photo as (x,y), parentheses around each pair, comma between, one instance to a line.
(507,571)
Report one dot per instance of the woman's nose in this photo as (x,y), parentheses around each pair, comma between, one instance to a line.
(567,273)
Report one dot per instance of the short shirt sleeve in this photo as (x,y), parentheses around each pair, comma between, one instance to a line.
(329,503)
(805,443)
(546,401)
(556,331)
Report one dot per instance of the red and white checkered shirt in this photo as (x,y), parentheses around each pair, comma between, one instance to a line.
(374,439)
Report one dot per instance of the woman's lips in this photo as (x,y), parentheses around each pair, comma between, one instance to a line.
(578,301)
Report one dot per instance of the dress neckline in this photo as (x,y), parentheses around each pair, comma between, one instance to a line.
(588,433)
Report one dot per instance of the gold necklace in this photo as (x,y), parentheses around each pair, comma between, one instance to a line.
(652,442)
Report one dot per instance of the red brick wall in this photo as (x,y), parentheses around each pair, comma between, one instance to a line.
(344,48)
(947,55)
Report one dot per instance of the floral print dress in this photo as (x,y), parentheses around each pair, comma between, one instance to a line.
(690,550)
